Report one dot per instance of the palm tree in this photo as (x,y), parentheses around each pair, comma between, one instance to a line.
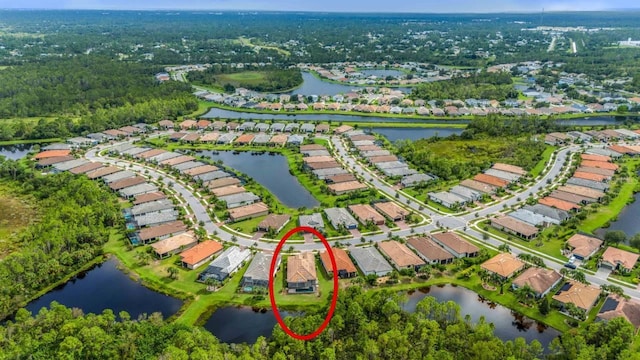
(173,272)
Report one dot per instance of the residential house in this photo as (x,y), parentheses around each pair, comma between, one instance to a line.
(257,274)
(447,199)
(400,255)
(504,265)
(314,221)
(617,259)
(274,222)
(391,210)
(366,214)
(301,274)
(340,217)
(248,212)
(540,280)
(514,226)
(583,296)
(429,251)
(616,306)
(161,232)
(344,265)
(370,261)
(226,264)
(455,245)
(175,244)
(238,200)
(200,254)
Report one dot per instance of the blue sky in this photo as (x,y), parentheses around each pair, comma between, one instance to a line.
(332,5)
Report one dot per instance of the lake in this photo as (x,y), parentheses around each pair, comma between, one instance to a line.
(627,220)
(229,324)
(15,152)
(508,324)
(394,134)
(270,171)
(107,287)
(311,85)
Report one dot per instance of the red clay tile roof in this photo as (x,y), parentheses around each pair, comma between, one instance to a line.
(592,157)
(491,180)
(624,258)
(400,254)
(52,153)
(200,252)
(503,264)
(343,262)
(599,164)
(558,204)
(590,176)
(584,245)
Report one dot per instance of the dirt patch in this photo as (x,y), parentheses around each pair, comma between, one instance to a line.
(16,214)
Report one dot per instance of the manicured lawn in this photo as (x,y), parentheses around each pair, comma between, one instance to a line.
(546,155)
(551,245)
(245,77)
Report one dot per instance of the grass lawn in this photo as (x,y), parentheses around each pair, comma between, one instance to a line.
(551,245)
(606,213)
(17,213)
(245,77)
(546,155)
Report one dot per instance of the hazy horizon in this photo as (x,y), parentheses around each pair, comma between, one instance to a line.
(371,6)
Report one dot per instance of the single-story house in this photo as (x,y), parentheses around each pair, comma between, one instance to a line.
(616,306)
(160,232)
(401,256)
(478,186)
(136,190)
(366,213)
(175,244)
(514,226)
(446,199)
(340,217)
(162,205)
(582,296)
(504,265)
(83,169)
(275,222)
(226,264)
(583,247)
(344,265)
(454,244)
(391,210)
(237,200)
(248,212)
(464,192)
(540,280)
(222,182)
(257,274)
(429,251)
(415,179)
(346,187)
(177,160)
(617,259)
(200,254)
(370,261)
(314,221)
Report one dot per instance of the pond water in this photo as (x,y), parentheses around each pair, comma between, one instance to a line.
(508,324)
(272,172)
(394,134)
(106,287)
(231,324)
(382,73)
(311,85)
(15,152)
(627,220)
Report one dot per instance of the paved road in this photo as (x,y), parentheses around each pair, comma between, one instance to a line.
(460,222)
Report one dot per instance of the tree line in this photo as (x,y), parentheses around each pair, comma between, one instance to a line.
(366,325)
(75,220)
(269,79)
(483,85)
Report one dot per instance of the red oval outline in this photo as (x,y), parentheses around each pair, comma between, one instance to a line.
(272,295)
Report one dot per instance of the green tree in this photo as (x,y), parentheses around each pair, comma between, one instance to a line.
(615,237)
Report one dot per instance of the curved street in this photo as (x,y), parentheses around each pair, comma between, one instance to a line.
(462,222)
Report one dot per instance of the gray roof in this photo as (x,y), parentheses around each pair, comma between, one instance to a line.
(246,197)
(363,142)
(605,152)
(57,146)
(403,171)
(503,175)
(374,153)
(98,136)
(369,260)
(138,190)
(316,153)
(262,127)
(261,139)
(291,127)
(532,218)
(627,133)
(188,165)
(415,179)
(226,138)
(153,206)
(226,263)
(247,125)
(213,175)
(125,174)
(277,127)
(308,127)
(81,141)
(68,165)
(581,135)
(596,185)
(446,197)
(314,220)
(323,173)
(465,192)
(155,218)
(391,165)
(122,147)
(338,216)
(258,270)
(557,214)
(135,150)
(164,156)
(295,139)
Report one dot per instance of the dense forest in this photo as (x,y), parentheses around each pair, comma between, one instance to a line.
(368,325)
(483,85)
(489,139)
(85,94)
(75,222)
(264,79)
